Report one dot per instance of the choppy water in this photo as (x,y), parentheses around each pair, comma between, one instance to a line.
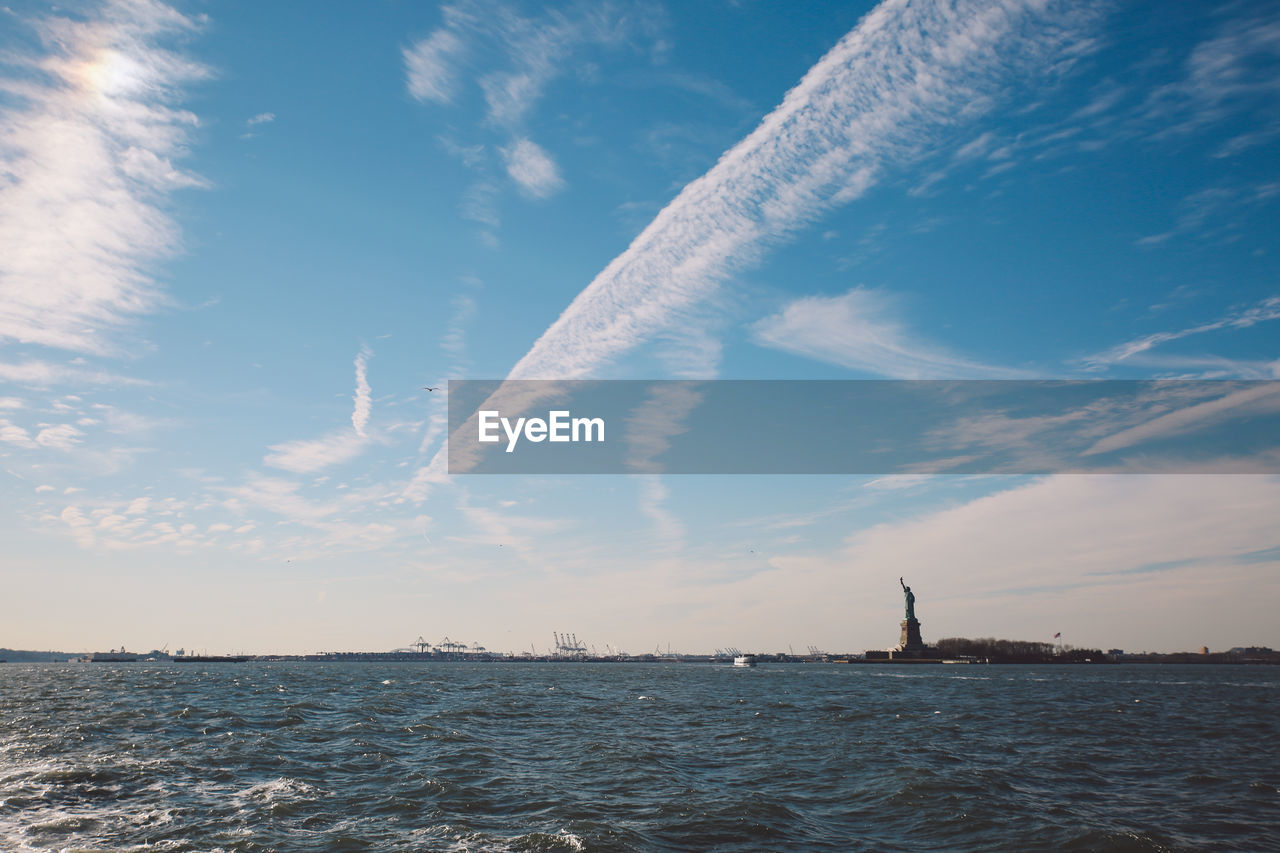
(542,757)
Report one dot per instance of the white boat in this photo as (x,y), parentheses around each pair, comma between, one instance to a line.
(744,660)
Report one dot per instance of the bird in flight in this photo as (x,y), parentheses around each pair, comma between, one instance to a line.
(429,388)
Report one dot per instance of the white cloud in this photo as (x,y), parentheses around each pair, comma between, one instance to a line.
(59,437)
(650,428)
(894,482)
(1206,366)
(479,204)
(81,527)
(977,147)
(88,158)
(1121,556)
(281,497)
(535,49)
(45,373)
(525,54)
(519,533)
(692,350)
(305,456)
(454,341)
(362,399)
(1213,213)
(1264,311)
(11,403)
(667,527)
(429,66)
(532,168)
(1137,562)
(1233,69)
(873,103)
(858,331)
(261,118)
(124,422)
(434,473)
(454,345)
(1257,400)
(14,434)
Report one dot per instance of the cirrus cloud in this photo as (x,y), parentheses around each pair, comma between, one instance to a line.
(88,157)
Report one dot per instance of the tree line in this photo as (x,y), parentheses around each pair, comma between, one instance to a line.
(1015,651)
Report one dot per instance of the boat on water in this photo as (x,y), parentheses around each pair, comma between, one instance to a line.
(113,656)
(211,658)
(744,660)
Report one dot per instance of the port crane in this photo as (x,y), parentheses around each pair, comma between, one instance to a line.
(447,645)
(567,645)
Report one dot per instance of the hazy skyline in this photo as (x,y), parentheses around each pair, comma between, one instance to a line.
(237,241)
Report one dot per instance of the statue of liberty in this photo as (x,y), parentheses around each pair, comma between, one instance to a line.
(911,599)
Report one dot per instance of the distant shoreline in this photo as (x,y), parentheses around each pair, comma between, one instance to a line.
(1253,658)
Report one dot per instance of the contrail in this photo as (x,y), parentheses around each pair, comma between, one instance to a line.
(877,100)
(880,98)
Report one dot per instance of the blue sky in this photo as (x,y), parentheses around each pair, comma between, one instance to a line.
(236,239)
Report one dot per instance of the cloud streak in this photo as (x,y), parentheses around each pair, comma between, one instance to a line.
(1257,400)
(305,456)
(363,397)
(857,330)
(530,167)
(1261,312)
(429,66)
(876,101)
(88,164)
(526,53)
(42,374)
(535,50)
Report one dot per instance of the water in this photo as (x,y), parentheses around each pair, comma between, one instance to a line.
(548,757)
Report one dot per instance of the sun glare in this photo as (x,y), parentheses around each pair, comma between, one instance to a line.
(111,73)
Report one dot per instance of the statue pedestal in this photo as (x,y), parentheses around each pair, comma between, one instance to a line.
(910,647)
(910,639)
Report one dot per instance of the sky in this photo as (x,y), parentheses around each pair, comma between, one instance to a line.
(238,239)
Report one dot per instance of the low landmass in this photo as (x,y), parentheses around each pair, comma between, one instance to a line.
(952,650)
(27,656)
